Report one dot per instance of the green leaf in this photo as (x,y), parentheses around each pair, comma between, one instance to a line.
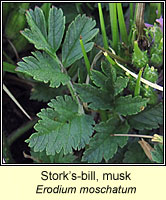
(37,34)
(56,27)
(42,92)
(43,68)
(135,153)
(61,128)
(71,49)
(7,67)
(57,158)
(128,105)
(120,84)
(108,86)
(148,119)
(97,98)
(157,153)
(102,145)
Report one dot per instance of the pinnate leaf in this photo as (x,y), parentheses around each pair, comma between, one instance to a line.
(43,68)
(97,98)
(120,84)
(102,145)
(148,119)
(42,92)
(128,105)
(108,86)
(37,34)
(71,49)
(61,128)
(57,158)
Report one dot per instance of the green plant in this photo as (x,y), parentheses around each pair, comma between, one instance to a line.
(101,101)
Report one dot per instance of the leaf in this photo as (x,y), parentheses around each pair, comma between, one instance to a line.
(148,119)
(102,96)
(97,98)
(56,27)
(108,86)
(61,128)
(71,49)
(102,145)
(37,34)
(43,68)
(157,153)
(120,84)
(128,105)
(57,158)
(135,153)
(42,92)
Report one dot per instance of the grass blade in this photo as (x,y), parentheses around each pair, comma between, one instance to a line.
(114,25)
(122,26)
(102,26)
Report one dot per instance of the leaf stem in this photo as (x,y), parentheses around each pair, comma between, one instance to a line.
(111,54)
(15,101)
(132,135)
(153,85)
(70,86)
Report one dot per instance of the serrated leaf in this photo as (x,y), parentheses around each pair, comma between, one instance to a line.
(57,158)
(37,34)
(56,27)
(135,154)
(61,128)
(128,105)
(42,92)
(108,86)
(71,49)
(157,153)
(97,98)
(120,84)
(148,119)
(43,68)
(102,145)
(99,79)
(100,97)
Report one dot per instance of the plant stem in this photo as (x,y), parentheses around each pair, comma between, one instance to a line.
(132,135)
(87,63)
(70,86)
(140,18)
(153,85)
(112,55)
(20,131)
(102,26)
(131,11)
(15,101)
(138,83)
